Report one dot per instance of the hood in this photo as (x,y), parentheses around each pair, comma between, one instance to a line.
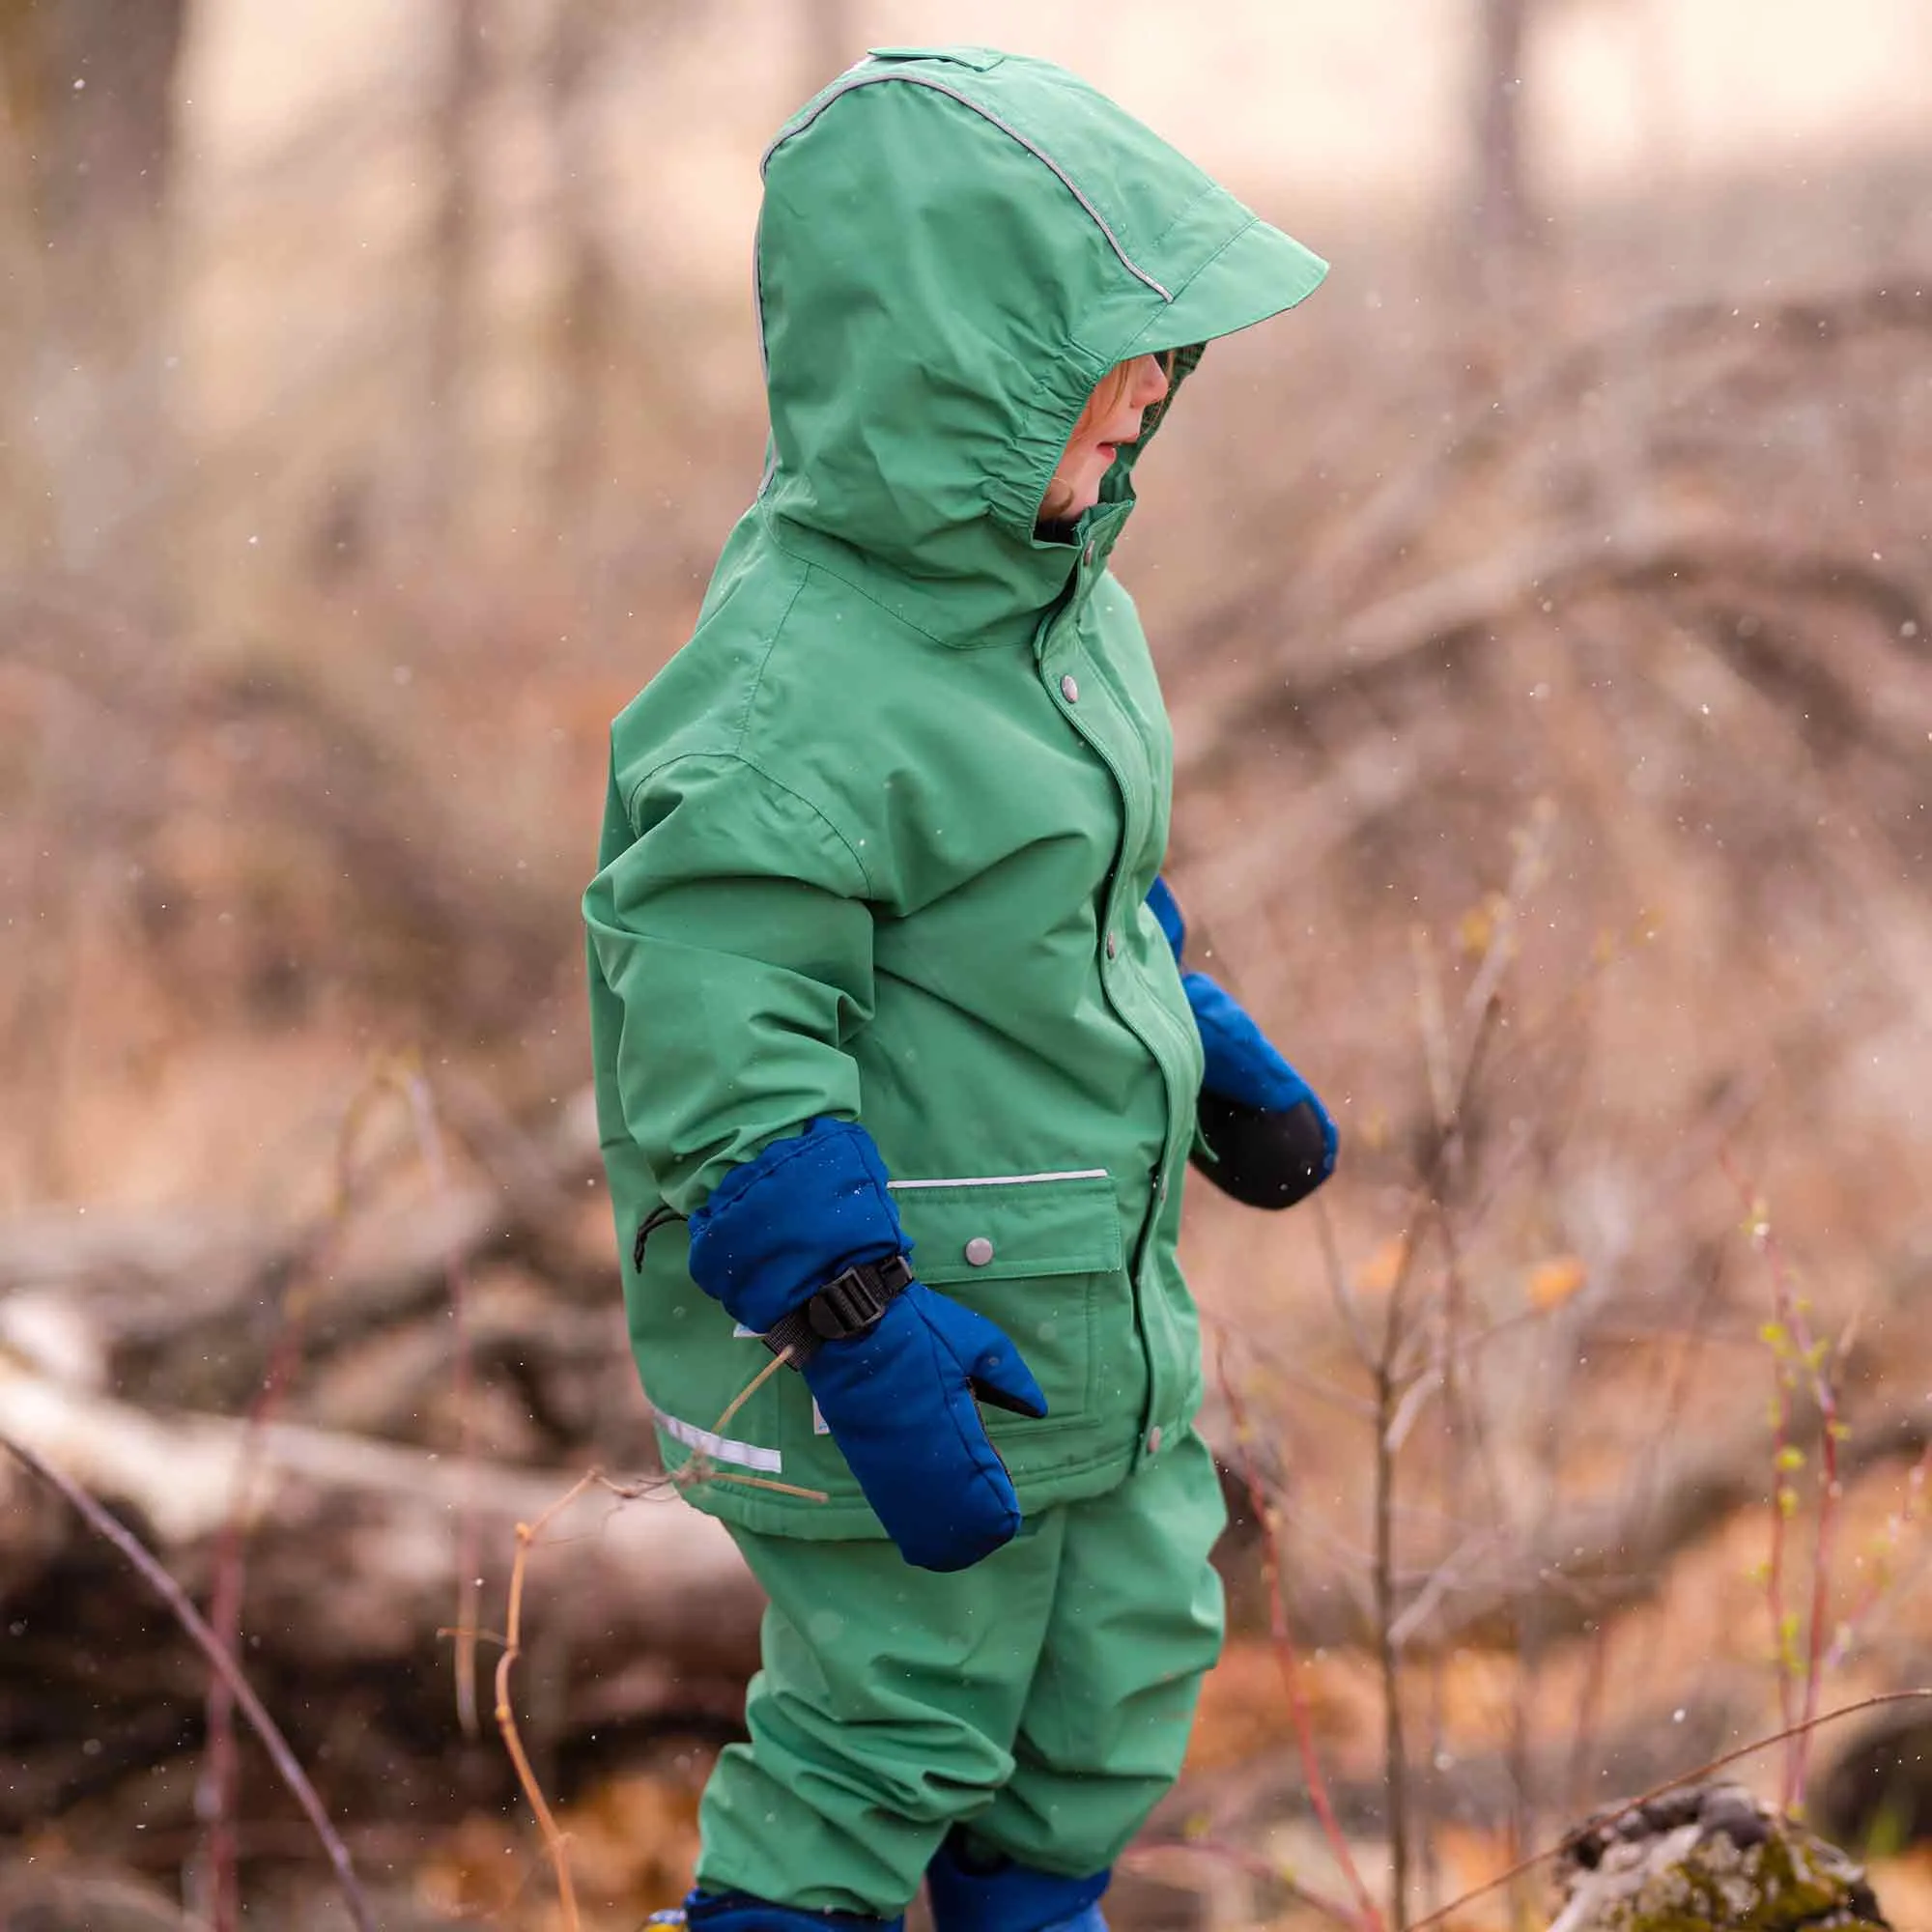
(954,245)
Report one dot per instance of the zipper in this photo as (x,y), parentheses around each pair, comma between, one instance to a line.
(1157,1191)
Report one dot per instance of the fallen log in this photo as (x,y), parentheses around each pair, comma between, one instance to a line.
(183,1305)
(639,1611)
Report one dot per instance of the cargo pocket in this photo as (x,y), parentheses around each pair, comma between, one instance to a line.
(1039,1254)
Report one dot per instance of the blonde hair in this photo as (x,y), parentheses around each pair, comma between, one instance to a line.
(1106,397)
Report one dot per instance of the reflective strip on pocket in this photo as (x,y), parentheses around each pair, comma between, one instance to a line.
(979,1228)
(720,1448)
(1003,1180)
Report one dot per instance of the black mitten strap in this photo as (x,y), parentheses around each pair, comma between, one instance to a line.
(847,1305)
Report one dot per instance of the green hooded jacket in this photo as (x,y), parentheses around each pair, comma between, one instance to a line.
(877,838)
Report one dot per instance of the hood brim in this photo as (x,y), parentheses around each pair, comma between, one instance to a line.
(1261,272)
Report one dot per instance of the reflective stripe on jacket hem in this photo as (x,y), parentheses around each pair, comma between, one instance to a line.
(720,1448)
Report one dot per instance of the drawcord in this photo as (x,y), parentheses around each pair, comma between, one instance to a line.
(646,1228)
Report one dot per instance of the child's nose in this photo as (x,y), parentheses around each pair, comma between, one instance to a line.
(1150,381)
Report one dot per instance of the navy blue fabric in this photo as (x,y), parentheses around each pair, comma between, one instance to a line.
(1008,1898)
(1166,910)
(1240,1064)
(901,1400)
(776,1228)
(739,1912)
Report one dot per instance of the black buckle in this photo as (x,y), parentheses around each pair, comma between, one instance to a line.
(847,1305)
(852,1302)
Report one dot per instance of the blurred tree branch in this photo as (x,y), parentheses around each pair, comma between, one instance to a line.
(587,314)
(1502,205)
(87,149)
(456,137)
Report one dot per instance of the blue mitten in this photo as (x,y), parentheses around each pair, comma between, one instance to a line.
(1273,1141)
(1240,1062)
(803,1245)
(1166,910)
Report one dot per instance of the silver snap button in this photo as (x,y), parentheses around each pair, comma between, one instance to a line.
(1069,689)
(1112,944)
(978,1251)
(1089,552)
(1153,1440)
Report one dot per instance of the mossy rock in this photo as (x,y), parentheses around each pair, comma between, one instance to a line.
(1708,1859)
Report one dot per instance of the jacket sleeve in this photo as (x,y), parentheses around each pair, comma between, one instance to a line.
(736,937)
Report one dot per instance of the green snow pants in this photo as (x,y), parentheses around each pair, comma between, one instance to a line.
(1043,1697)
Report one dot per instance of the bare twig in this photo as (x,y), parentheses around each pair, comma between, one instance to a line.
(423,1116)
(1797,1355)
(205,1639)
(1388,1656)
(1468,1435)
(1783,1507)
(1368,1917)
(1601,1557)
(1345,1304)
(701,1469)
(554,1842)
(1255,1866)
(1388,1393)
(1883,1576)
(1830,1497)
(215,1790)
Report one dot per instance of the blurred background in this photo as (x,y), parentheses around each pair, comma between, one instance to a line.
(1543,611)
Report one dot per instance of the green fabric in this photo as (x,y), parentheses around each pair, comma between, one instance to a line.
(878,838)
(1045,1696)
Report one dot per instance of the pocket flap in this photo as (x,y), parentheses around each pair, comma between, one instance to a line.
(975,1229)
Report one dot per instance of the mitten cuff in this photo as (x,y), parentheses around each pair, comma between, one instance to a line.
(777,1228)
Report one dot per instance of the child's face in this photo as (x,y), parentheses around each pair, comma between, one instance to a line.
(1112,416)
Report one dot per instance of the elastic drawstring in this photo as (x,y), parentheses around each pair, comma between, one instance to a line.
(646,1228)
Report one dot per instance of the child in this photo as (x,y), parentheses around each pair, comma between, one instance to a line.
(880,969)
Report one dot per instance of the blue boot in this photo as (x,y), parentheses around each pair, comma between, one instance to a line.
(970,1893)
(738,1911)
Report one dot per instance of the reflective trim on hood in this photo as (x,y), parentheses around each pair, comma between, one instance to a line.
(1039,154)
